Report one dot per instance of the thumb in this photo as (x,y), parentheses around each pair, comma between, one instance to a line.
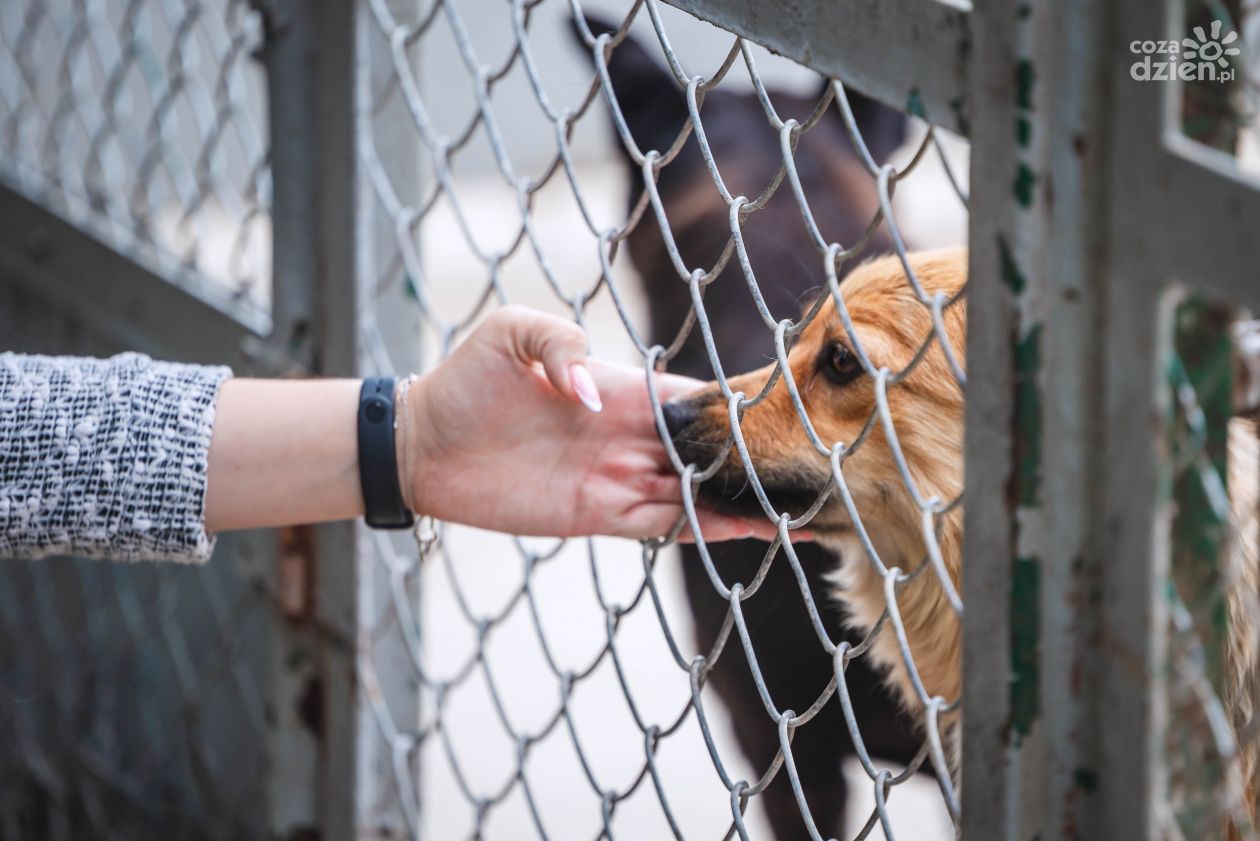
(559,345)
(669,386)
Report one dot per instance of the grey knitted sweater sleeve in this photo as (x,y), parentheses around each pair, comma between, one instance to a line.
(105,457)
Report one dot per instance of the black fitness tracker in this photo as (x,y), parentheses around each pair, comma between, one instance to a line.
(378,464)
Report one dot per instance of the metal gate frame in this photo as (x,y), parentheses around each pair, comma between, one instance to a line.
(1077,255)
(76,294)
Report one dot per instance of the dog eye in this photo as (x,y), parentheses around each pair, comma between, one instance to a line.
(843,366)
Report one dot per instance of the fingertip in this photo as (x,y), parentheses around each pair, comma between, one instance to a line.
(721,529)
(670,386)
(584,387)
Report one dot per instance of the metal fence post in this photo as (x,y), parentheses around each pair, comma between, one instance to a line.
(316,62)
(987,785)
(1074,254)
(312,789)
(1040,146)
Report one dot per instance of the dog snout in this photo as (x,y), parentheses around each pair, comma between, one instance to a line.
(679,414)
(682,421)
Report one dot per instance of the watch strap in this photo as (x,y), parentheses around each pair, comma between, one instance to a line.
(378,462)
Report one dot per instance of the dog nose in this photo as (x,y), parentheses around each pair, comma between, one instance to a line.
(679,414)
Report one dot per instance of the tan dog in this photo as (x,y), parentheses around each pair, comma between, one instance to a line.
(1242,583)
(926,409)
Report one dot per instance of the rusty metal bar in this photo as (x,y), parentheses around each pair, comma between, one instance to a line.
(989,784)
(1038,244)
(1076,259)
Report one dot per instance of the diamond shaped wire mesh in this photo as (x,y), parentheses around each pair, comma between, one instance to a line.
(140,121)
(143,123)
(133,700)
(1215,483)
(485,753)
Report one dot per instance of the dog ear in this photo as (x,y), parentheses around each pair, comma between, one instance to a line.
(651,101)
(883,128)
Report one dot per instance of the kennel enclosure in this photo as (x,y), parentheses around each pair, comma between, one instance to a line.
(269,185)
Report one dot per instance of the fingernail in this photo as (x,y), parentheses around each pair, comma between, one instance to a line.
(584,386)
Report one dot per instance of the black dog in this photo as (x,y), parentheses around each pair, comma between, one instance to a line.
(788,267)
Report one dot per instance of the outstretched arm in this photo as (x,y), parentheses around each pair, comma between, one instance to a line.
(517,431)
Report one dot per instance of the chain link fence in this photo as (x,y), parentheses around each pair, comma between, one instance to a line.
(144,123)
(696,203)
(1215,481)
(137,701)
(574,726)
(133,701)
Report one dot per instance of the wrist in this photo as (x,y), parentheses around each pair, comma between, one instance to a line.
(405,439)
(282,453)
(419,452)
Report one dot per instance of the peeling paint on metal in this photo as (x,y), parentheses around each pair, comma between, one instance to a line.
(1011,273)
(1026,479)
(914,105)
(1028,417)
(1025,595)
(1086,780)
(1023,131)
(959,107)
(1025,645)
(1025,180)
(1025,79)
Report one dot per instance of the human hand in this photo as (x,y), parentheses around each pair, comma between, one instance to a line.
(509,434)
